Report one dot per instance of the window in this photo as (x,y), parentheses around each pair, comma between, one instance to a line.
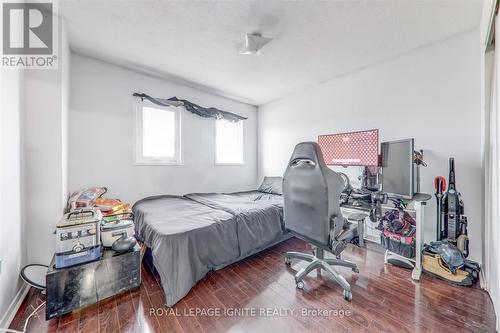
(158,139)
(228,142)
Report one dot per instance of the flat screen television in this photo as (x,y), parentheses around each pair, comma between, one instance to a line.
(398,174)
(350,149)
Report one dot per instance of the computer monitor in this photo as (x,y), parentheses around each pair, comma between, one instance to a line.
(350,149)
(398,168)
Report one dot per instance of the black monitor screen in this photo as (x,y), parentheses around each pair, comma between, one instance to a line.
(397,168)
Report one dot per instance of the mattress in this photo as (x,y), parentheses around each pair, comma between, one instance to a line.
(259,216)
(191,235)
(186,239)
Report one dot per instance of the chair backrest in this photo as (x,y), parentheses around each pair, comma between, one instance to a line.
(311,195)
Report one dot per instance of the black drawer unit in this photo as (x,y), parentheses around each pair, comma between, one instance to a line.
(77,286)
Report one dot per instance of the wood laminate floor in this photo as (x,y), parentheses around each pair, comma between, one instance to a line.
(259,295)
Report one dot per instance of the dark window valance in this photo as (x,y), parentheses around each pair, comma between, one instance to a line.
(193,108)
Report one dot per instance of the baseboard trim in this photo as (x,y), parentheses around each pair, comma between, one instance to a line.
(14,306)
(484,284)
(482,279)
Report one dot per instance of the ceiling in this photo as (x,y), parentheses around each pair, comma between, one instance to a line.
(197,42)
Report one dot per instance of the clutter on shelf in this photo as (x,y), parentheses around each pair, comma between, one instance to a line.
(85,197)
(92,221)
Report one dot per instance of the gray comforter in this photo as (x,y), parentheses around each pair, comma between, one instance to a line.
(191,235)
(186,240)
(259,216)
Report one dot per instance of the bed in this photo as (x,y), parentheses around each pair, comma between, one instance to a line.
(189,236)
(259,217)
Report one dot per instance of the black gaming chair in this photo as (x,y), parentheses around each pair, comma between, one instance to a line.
(312,212)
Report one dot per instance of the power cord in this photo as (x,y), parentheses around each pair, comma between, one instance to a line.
(8,330)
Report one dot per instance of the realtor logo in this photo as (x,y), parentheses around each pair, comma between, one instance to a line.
(29,35)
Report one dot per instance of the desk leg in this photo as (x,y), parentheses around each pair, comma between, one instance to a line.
(420,213)
(361,233)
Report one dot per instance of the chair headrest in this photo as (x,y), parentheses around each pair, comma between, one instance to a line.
(307,152)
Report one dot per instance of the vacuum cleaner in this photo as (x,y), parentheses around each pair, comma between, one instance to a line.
(440,186)
(451,236)
(453,208)
(451,221)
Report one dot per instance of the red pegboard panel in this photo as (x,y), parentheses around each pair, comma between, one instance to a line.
(354,148)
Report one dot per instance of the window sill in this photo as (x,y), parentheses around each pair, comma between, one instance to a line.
(229,164)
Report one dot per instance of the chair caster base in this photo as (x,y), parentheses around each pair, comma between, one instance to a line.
(347,295)
(318,262)
(288,261)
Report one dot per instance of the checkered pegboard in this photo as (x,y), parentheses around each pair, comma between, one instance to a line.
(355,148)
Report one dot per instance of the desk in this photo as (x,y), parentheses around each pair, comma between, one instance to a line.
(416,208)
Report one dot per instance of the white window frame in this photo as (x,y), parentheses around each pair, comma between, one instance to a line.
(242,146)
(146,160)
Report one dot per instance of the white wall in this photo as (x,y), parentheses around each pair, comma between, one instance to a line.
(431,94)
(12,244)
(101,136)
(46,96)
(490,272)
(33,170)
